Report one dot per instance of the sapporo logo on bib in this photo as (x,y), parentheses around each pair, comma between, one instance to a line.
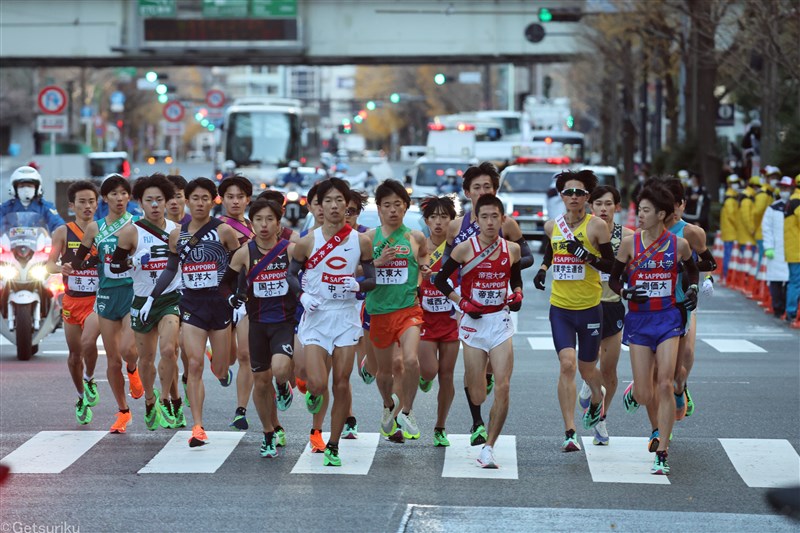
(333,286)
(200,275)
(568,268)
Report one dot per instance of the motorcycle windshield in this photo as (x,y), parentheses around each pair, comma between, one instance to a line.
(24,219)
(33,238)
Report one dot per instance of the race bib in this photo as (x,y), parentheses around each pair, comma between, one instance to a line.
(270,284)
(395,272)
(568,268)
(107,270)
(489,292)
(199,275)
(434,301)
(657,288)
(83,280)
(605,277)
(333,287)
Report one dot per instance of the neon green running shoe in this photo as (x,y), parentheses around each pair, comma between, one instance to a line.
(152,414)
(90,392)
(167,416)
(180,418)
(83,413)
(689,402)
(479,435)
(425,385)
(440,438)
(331,457)
(489,383)
(313,403)
(280,437)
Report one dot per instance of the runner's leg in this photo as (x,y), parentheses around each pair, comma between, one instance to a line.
(110,331)
(168,334)
(502,359)
(73,333)
(194,342)
(342,367)
(666,355)
(91,330)
(448,354)
(409,344)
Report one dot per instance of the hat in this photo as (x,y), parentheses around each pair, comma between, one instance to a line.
(769,170)
(786,181)
(755,180)
(733,178)
(683,174)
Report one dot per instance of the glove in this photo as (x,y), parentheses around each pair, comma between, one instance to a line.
(236,300)
(309,302)
(635,294)
(351,285)
(143,259)
(238,314)
(690,303)
(144,312)
(514,301)
(469,307)
(538,279)
(708,287)
(576,248)
(769,253)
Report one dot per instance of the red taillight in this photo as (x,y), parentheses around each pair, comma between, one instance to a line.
(548,140)
(126,169)
(463,126)
(440,172)
(434,126)
(515,214)
(540,214)
(303,160)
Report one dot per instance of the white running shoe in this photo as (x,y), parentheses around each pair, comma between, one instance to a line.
(585,396)
(486,459)
(387,420)
(408,423)
(600,434)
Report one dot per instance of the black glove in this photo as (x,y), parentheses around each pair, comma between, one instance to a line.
(538,279)
(576,248)
(690,303)
(236,300)
(635,294)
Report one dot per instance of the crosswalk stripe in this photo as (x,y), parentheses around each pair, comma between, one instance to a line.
(460,459)
(624,460)
(176,457)
(764,463)
(51,452)
(546,344)
(5,342)
(733,346)
(356,456)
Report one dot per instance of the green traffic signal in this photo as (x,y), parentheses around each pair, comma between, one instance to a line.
(395,98)
(163,98)
(151,76)
(371,105)
(545,15)
(440,79)
(570,121)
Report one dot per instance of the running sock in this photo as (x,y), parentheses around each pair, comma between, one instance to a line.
(123,411)
(408,413)
(351,421)
(474,410)
(149,408)
(185,379)
(569,433)
(87,378)
(333,446)
(269,435)
(278,428)
(176,404)
(241,411)
(80,396)
(438,429)
(129,370)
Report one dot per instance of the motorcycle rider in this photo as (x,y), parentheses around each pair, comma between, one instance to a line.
(293,176)
(27,185)
(450,183)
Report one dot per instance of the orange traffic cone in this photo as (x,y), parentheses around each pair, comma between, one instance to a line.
(761,292)
(732,280)
(748,271)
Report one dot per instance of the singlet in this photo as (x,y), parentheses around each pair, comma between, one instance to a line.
(236,224)
(326,280)
(151,258)
(576,285)
(432,300)
(397,281)
(269,300)
(656,272)
(677,229)
(608,294)
(207,262)
(82,283)
(487,283)
(105,249)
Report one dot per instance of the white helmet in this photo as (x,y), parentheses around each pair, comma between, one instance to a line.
(294,164)
(450,173)
(26,174)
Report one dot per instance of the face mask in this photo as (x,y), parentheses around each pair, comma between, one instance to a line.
(785,195)
(26,195)
(735,186)
(773,183)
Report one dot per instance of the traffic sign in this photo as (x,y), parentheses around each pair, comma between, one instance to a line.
(174,111)
(215,113)
(725,115)
(173,128)
(51,124)
(52,100)
(215,98)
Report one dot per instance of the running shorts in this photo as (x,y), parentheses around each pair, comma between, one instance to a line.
(113,303)
(487,332)
(387,328)
(330,328)
(164,305)
(438,327)
(269,339)
(651,328)
(586,325)
(76,310)
(206,310)
(613,318)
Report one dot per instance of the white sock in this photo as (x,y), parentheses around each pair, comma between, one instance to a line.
(87,378)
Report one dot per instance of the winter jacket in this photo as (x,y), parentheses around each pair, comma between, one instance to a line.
(762,202)
(791,228)
(772,230)
(729,216)
(746,228)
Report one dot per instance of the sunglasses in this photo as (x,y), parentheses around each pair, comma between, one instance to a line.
(574,192)
(349,212)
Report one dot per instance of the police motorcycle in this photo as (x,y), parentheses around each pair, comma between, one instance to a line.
(294,182)
(30,297)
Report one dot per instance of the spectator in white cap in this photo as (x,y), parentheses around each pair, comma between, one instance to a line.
(772,230)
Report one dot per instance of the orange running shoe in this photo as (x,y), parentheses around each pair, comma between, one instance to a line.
(121,423)
(301,386)
(199,437)
(317,444)
(135,384)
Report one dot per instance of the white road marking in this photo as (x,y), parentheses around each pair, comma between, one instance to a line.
(733,346)
(542,343)
(176,457)
(764,462)
(624,460)
(356,455)
(51,452)
(460,459)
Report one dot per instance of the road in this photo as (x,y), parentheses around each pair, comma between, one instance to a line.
(743,437)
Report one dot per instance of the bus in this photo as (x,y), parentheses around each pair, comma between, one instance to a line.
(572,141)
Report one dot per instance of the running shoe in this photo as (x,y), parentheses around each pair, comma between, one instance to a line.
(331,457)
(630,404)
(135,384)
(83,413)
(592,416)
(489,383)
(425,385)
(313,403)
(199,437)
(185,381)
(301,385)
(570,442)
(350,430)
(180,418)
(408,423)
(440,438)
(486,458)
(168,420)
(397,437)
(152,414)
(680,406)
(280,437)
(283,399)
(90,392)
(268,449)
(227,380)
(315,439)
(600,434)
(585,396)
(652,444)
(366,377)
(660,465)
(121,423)
(478,435)
(240,420)
(689,402)
(388,422)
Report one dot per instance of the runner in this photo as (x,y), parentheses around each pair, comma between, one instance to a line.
(201,248)
(81,328)
(488,264)
(655,320)
(154,321)
(477,181)
(276,196)
(114,295)
(401,255)
(264,263)
(438,347)
(579,248)
(331,325)
(605,201)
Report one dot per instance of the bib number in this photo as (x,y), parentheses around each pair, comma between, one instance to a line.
(489,293)
(656,288)
(200,275)
(83,281)
(107,270)
(333,287)
(565,270)
(434,301)
(270,284)
(394,272)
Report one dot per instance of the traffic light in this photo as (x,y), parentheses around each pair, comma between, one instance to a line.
(120,124)
(161,88)
(345,128)
(371,105)
(545,15)
(570,121)
(395,98)
(357,119)
(439,78)
(163,98)
(362,114)
(151,76)
(560,14)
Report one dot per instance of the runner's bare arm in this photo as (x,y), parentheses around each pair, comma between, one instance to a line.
(457,258)
(85,247)
(423,255)
(59,241)
(228,238)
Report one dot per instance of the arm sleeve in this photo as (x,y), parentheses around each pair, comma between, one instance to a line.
(692,274)
(368,281)
(444,274)
(516,275)
(707,262)
(119,261)
(615,279)
(605,262)
(293,277)
(526,255)
(232,282)
(80,255)
(448,249)
(167,276)
(548,254)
